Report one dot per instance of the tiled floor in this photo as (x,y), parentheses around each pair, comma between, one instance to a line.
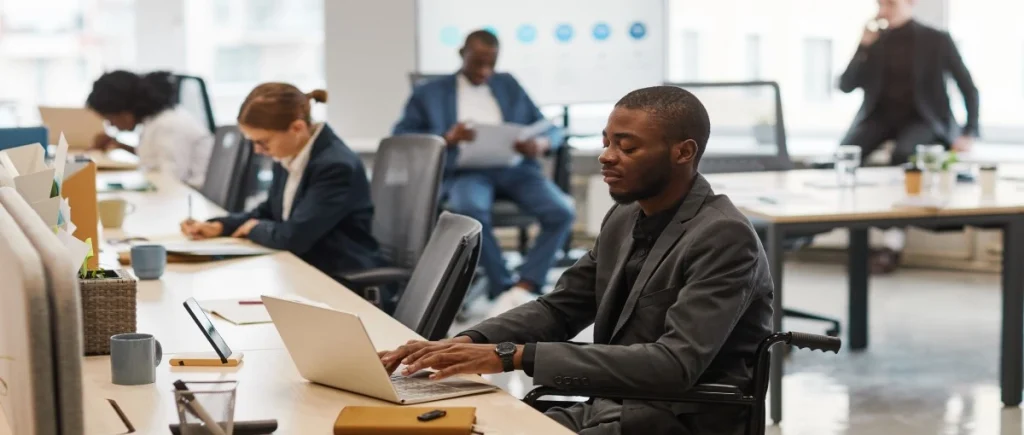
(931,367)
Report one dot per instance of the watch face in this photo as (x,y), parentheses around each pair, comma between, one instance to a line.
(505,348)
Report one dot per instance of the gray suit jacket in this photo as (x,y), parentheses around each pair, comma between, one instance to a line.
(695,314)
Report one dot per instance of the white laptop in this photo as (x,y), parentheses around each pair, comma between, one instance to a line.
(332,348)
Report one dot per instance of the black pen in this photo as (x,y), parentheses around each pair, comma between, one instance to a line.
(193,406)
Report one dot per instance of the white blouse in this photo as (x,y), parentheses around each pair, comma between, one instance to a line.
(175,142)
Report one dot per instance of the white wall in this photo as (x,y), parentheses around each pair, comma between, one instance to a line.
(160,35)
(370,49)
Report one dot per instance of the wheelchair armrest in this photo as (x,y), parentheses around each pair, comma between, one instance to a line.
(378,276)
(700,393)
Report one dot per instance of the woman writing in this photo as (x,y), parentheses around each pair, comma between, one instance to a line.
(318,206)
(172,140)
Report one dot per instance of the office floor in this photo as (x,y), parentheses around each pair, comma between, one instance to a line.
(931,367)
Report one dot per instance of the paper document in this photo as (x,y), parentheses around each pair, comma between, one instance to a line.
(494,144)
(216,249)
(933,203)
(235,312)
(35,186)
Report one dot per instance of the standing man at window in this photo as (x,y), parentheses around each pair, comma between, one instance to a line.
(902,70)
(448,107)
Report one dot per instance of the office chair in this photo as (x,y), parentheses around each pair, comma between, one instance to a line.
(752,397)
(439,282)
(713,163)
(406,183)
(505,213)
(193,97)
(231,173)
(16,137)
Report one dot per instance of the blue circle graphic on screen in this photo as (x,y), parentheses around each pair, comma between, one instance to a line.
(602,31)
(563,32)
(638,30)
(526,33)
(492,30)
(450,36)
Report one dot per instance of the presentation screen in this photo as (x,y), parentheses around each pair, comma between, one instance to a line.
(561,51)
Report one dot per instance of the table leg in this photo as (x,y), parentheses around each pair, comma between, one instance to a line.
(1010,368)
(776,257)
(858,272)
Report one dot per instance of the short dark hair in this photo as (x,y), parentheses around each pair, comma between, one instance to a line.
(483,36)
(680,114)
(124,91)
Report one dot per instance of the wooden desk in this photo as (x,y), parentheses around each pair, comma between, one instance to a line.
(269,384)
(784,205)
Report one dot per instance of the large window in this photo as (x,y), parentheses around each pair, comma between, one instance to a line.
(242,43)
(52,50)
(991,42)
(802,44)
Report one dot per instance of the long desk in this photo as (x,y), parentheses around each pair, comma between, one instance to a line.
(269,384)
(784,204)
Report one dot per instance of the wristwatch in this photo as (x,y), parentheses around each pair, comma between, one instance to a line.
(507,352)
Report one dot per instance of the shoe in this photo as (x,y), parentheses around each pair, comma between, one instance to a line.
(883,261)
(510,299)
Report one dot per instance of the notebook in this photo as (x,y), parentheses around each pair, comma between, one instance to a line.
(394,420)
(234,311)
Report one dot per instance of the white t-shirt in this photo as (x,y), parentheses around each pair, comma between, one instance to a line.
(476,104)
(175,142)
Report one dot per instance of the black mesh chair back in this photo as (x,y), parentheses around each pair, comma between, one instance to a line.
(406,183)
(193,97)
(440,280)
(748,134)
(228,168)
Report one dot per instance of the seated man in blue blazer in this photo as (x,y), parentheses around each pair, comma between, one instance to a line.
(477,95)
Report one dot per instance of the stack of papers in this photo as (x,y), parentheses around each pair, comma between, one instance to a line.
(215,248)
(494,144)
(24,168)
(922,202)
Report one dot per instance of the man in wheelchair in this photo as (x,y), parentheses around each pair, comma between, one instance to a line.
(677,286)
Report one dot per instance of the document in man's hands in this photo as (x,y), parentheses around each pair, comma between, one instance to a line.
(494,144)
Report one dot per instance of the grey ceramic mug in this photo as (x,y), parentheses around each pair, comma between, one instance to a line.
(149,261)
(133,359)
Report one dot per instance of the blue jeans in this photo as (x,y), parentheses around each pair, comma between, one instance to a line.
(472,192)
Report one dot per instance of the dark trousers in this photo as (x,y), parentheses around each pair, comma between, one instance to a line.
(875,130)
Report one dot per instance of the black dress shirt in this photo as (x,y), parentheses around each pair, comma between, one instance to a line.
(897,98)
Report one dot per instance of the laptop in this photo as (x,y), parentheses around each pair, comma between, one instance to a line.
(332,348)
(79,125)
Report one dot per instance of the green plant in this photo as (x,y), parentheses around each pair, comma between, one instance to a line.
(951,159)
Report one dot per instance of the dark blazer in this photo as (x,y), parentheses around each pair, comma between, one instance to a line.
(935,56)
(695,314)
(331,218)
(431,110)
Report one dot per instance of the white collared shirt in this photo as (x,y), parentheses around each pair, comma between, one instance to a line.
(296,166)
(175,142)
(476,104)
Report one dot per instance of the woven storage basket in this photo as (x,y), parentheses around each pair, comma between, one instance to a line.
(108,308)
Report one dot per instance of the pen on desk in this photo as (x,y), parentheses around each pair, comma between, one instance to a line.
(190,207)
(767,200)
(122,416)
(254,302)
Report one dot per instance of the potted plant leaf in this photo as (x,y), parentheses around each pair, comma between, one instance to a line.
(108,305)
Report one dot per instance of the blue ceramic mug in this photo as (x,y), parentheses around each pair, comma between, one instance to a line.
(133,359)
(149,261)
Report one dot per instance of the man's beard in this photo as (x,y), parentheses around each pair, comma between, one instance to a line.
(652,183)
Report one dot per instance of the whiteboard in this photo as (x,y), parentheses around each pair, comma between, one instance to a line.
(561,51)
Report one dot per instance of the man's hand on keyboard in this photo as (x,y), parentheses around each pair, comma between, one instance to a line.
(393,358)
(454,357)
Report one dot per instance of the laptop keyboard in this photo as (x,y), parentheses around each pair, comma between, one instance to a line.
(415,387)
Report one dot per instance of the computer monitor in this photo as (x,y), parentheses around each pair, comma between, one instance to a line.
(65,307)
(27,381)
